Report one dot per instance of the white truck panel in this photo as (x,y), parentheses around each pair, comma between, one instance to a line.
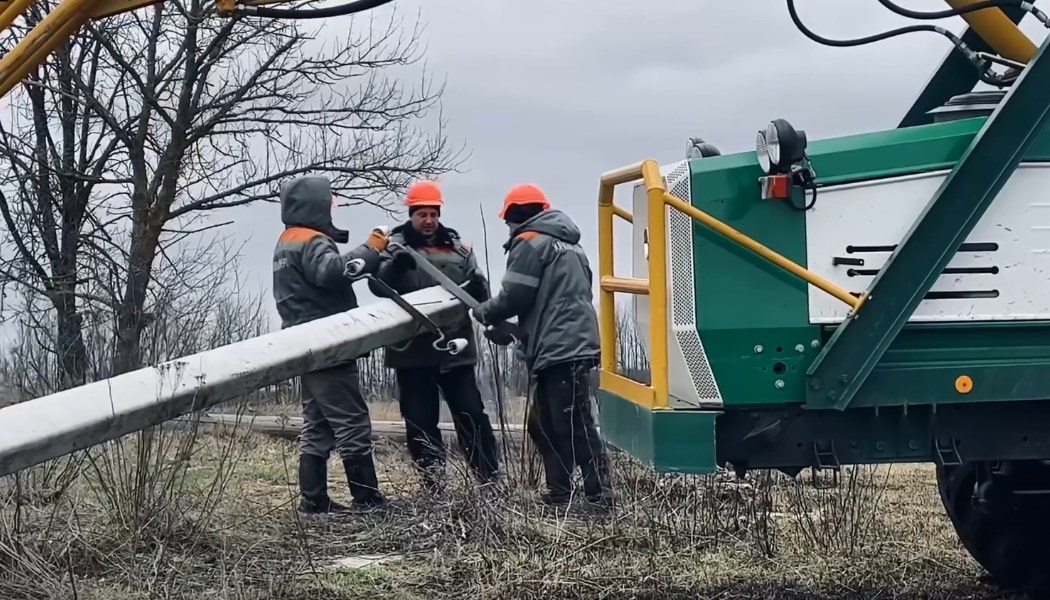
(1001,274)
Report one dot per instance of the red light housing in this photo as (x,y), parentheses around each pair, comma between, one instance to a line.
(775,187)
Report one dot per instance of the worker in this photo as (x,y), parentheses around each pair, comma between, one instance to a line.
(421,369)
(308,284)
(547,285)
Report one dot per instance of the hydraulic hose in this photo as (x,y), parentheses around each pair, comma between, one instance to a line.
(962,10)
(982,65)
(341,10)
(867,39)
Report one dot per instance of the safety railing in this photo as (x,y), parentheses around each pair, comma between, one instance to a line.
(655,395)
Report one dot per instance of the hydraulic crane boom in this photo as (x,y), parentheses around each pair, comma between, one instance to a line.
(998,31)
(70,15)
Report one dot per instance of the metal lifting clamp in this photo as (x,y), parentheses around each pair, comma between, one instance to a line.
(357,269)
(505,328)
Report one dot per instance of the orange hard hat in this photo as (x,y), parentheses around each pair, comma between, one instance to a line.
(423,193)
(525,193)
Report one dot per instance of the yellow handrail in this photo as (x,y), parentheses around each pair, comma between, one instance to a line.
(655,396)
(630,285)
(623,214)
(772,256)
(657,225)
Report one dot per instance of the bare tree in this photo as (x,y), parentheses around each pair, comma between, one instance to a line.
(172,112)
(631,358)
(55,154)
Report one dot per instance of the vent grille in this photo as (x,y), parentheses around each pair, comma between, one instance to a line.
(683,291)
(855,261)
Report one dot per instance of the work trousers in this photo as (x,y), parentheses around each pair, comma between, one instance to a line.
(421,410)
(335,414)
(561,423)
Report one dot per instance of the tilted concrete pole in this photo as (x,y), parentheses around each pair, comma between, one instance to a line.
(52,426)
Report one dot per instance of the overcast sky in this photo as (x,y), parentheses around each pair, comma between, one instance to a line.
(556,92)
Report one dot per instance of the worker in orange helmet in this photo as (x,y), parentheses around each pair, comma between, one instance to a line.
(421,370)
(547,285)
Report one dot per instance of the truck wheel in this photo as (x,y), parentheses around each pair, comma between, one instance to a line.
(1007,534)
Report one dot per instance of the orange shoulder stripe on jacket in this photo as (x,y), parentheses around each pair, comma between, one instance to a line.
(298,234)
(528,235)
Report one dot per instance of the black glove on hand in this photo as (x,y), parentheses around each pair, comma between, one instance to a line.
(403,261)
(498,337)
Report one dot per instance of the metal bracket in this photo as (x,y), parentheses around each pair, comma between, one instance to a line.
(825,459)
(825,455)
(946,452)
(504,328)
(442,343)
(955,75)
(862,339)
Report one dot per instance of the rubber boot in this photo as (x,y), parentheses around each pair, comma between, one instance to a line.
(597,482)
(484,462)
(559,481)
(313,486)
(364,485)
(479,446)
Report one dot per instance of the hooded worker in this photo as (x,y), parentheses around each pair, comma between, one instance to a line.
(547,286)
(421,369)
(309,283)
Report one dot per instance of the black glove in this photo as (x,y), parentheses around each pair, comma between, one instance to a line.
(498,337)
(403,261)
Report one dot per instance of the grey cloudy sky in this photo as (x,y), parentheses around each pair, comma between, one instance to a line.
(556,92)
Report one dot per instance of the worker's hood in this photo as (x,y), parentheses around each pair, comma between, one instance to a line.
(307,202)
(550,222)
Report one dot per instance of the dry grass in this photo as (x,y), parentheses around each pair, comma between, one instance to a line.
(216,520)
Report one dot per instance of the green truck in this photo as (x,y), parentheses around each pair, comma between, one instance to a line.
(875,298)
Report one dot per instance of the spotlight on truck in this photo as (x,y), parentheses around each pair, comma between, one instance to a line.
(781,152)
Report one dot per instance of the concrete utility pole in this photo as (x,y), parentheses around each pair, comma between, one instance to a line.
(52,426)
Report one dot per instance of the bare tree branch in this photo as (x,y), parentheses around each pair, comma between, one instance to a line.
(130,135)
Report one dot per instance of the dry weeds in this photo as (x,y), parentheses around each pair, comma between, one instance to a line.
(215,519)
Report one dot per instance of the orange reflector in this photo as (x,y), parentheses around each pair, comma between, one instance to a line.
(775,187)
(963,384)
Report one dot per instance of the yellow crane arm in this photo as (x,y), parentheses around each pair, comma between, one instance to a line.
(51,32)
(998,31)
(59,24)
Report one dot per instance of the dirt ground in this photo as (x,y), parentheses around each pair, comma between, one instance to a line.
(170,515)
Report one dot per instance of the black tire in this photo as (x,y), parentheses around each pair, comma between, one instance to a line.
(1009,536)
